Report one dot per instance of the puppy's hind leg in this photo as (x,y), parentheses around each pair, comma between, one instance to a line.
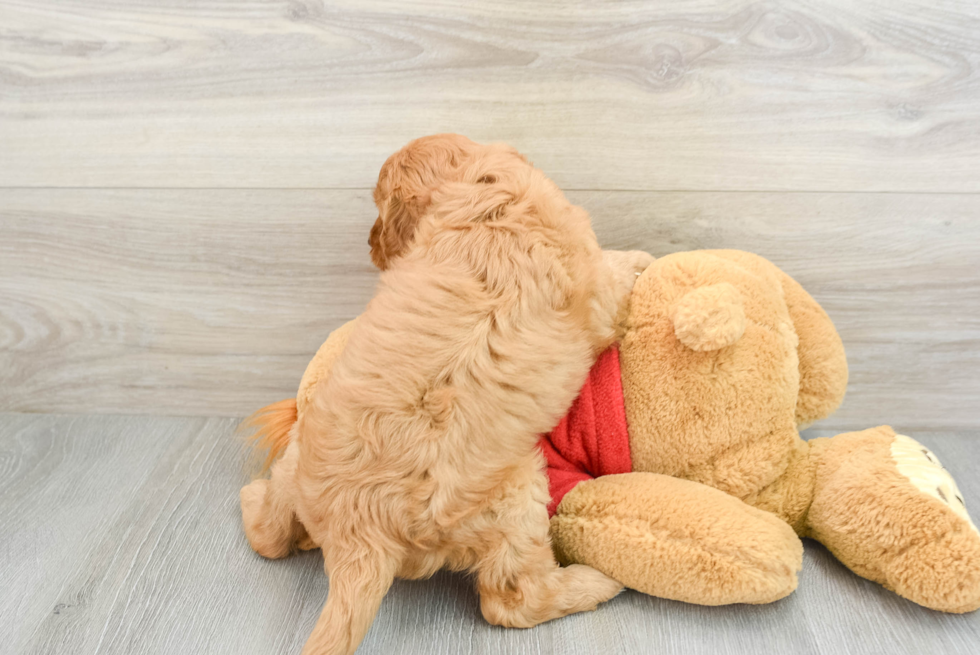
(268,512)
(359,579)
(521,584)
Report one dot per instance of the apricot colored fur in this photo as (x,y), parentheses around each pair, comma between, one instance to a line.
(418,450)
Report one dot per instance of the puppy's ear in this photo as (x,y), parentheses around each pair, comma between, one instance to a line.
(392,232)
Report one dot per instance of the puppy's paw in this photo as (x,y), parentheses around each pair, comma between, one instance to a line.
(626,266)
(638,261)
(260,531)
(593,586)
(628,262)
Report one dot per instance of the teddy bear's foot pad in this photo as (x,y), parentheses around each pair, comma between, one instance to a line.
(886,507)
(677,539)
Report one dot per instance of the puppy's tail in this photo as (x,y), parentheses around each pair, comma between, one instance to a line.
(270,427)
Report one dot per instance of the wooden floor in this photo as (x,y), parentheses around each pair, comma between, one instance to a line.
(122,534)
(184,210)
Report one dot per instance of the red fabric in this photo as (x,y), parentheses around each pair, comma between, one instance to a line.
(592,439)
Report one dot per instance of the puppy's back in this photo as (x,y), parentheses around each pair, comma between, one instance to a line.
(473,345)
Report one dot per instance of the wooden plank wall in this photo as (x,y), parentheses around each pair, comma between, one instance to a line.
(184,186)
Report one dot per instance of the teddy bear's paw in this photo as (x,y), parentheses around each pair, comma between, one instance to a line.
(942,575)
(710,317)
(943,572)
(923,469)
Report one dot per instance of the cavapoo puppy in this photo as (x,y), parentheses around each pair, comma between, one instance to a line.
(419,450)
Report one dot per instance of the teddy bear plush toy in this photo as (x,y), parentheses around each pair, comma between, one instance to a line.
(680,471)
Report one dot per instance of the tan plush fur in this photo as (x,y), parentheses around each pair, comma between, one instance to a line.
(710,317)
(723,357)
(886,529)
(689,542)
(417,451)
(724,417)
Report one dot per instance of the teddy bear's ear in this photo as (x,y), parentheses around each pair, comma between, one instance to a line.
(392,232)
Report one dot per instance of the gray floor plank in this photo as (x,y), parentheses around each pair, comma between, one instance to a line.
(122,535)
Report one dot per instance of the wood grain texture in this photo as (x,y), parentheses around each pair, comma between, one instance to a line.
(824,95)
(203,302)
(122,535)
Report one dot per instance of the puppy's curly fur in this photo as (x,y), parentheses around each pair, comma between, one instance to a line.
(418,451)
(405,187)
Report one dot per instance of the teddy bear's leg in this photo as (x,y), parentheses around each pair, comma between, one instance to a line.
(270,522)
(885,506)
(789,495)
(677,539)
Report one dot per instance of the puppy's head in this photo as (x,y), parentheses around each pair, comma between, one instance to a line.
(405,186)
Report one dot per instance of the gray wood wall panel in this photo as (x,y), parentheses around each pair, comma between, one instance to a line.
(122,535)
(211,302)
(824,95)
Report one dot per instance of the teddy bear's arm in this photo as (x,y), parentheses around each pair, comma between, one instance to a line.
(677,539)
